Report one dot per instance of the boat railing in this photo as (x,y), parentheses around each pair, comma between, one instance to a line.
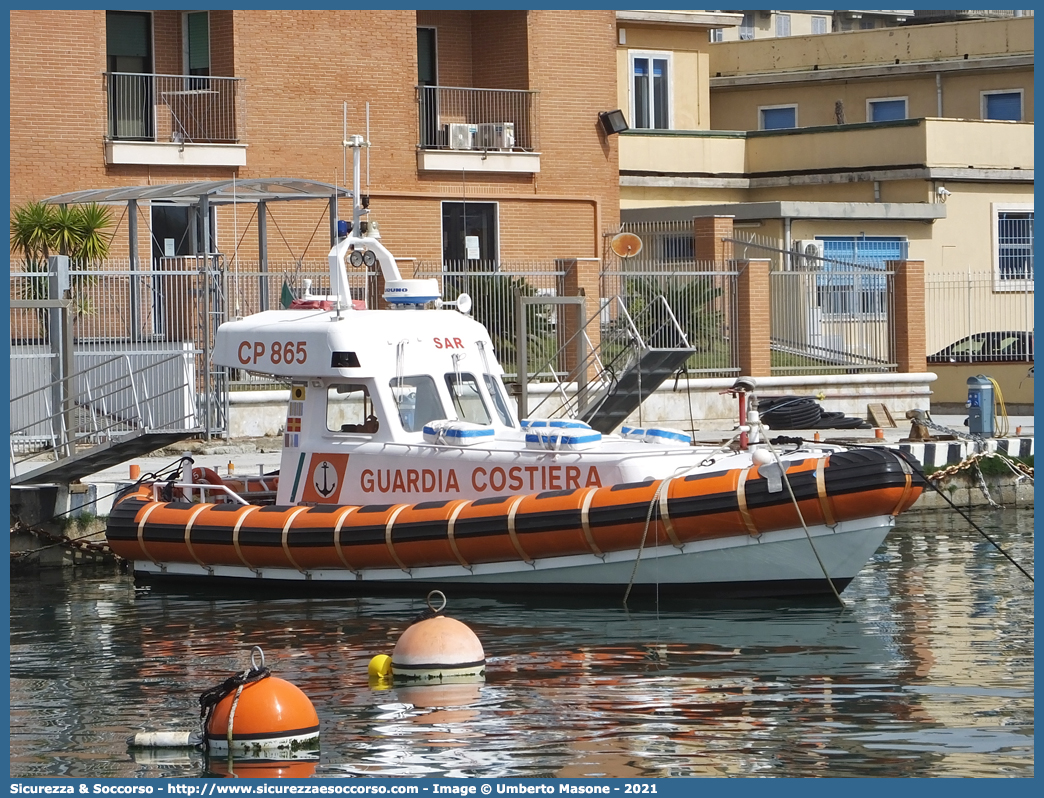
(188,489)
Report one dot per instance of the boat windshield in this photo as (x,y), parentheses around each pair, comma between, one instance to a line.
(417,401)
(496,393)
(467,401)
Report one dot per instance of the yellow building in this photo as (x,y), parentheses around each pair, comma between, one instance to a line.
(779,24)
(889,144)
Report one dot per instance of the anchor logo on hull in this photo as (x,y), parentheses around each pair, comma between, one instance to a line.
(324,478)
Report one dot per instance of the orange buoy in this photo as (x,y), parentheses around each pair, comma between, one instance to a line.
(438,649)
(262,768)
(260,714)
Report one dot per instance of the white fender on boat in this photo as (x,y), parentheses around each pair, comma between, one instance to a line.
(762,457)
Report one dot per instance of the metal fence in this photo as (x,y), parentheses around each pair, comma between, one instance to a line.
(492,286)
(144,315)
(252,290)
(477,119)
(827,315)
(177,108)
(963,305)
(701,295)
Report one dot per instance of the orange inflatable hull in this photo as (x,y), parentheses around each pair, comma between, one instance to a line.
(838,487)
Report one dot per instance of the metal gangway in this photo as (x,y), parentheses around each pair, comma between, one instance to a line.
(101,416)
(635,355)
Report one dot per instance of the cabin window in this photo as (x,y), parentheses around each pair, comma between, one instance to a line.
(417,401)
(350,409)
(467,401)
(496,393)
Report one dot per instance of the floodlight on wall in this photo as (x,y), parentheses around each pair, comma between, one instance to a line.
(613,122)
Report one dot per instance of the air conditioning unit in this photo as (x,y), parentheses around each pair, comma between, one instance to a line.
(811,253)
(495,136)
(460,136)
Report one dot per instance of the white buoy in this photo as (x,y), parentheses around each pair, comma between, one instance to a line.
(438,649)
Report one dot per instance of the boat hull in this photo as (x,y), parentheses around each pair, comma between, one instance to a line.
(776,564)
(731,532)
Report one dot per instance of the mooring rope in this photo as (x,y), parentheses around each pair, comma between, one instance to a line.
(212,697)
(930,482)
(801,517)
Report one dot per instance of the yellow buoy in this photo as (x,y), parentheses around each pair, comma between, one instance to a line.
(438,649)
(380,668)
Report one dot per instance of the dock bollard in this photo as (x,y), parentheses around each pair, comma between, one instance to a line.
(231,468)
(135,470)
(879,433)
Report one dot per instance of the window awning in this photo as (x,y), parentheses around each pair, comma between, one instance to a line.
(217,192)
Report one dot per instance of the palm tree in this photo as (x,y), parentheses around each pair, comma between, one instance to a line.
(78,231)
(92,224)
(30,233)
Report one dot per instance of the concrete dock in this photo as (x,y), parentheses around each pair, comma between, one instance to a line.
(256,455)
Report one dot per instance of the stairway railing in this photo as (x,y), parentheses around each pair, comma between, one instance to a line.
(622,339)
(103,403)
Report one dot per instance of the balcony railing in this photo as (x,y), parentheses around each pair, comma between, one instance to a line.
(477,119)
(180,108)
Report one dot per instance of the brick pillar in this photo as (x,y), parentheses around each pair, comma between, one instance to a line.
(581,279)
(708,232)
(908,321)
(753,328)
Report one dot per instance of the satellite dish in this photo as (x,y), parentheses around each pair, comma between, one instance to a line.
(626,245)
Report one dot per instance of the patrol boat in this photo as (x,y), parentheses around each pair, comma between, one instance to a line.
(406,468)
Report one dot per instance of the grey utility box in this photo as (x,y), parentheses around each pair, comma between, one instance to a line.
(980,405)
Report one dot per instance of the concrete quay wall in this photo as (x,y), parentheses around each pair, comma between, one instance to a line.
(686,404)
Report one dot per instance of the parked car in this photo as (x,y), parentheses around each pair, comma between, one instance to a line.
(984,347)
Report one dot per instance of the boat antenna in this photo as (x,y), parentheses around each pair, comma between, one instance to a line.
(367,148)
(344,142)
(356,142)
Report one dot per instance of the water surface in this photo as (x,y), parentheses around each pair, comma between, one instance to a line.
(928,671)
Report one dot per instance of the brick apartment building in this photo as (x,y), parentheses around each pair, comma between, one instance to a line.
(104,99)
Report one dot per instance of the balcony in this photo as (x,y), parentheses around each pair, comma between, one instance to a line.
(173,120)
(923,149)
(477,130)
